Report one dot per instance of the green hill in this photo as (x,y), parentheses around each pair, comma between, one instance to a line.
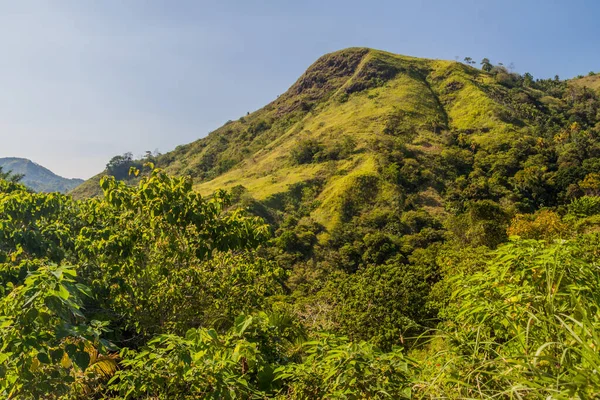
(352,109)
(36,177)
(354,96)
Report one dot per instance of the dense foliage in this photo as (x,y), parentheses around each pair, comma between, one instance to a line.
(156,292)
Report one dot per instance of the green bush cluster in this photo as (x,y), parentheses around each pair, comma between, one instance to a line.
(139,295)
(312,151)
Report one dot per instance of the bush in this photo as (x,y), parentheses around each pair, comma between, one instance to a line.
(382,303)
(312,151)
(506,79)
(544,224)
(358,195)
(46,344)
(335,368)
(305,151)
(162,234)
(591,184)
(257,358)
(585,206)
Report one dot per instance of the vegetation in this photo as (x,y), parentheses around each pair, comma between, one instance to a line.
(393,228)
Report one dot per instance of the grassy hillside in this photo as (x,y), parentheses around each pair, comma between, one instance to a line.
(364,129)
(340,111)
(367,138)
(590,81)
(352,96)
(365,92)
(37,177)
(409,150)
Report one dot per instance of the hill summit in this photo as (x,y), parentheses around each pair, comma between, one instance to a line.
(36,177)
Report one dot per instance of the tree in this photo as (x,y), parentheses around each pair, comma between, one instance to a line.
(306,151)
(162,234)
(483,224)
(469,60)
(383,302)
(591,184)
(10,177)
(544,224)
(486,65)
(119,166)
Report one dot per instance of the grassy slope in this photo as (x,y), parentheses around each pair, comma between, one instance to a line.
(592,82)
(420,96)
(351,93)
(89,188)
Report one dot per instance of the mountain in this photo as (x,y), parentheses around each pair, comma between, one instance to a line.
(36,177)
(359,114)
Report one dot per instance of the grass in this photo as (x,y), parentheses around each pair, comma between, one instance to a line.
(329,213)
(592,82)
(88,189)
(362,117)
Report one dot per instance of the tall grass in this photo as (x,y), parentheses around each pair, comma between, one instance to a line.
(525,327)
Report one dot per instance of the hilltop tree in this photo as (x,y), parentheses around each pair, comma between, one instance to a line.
(486,65)
(119,166)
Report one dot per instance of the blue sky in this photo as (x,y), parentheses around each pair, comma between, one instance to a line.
(83,80)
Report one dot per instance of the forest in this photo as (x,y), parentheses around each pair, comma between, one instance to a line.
(464,264)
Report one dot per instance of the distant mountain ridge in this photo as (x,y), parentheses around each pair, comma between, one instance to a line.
(38,178)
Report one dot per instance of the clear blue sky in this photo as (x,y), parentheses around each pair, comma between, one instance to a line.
(83,80)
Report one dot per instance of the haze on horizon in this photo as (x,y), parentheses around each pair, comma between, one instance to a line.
(84,81)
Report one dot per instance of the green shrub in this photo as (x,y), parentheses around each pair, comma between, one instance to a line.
(585,206)
(46,343)
(382,303)
(258,358)
(335,368)
(305,151)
